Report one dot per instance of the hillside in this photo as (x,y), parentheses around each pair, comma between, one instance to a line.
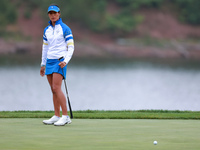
(159,35)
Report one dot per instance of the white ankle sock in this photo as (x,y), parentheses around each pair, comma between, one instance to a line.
(65,116)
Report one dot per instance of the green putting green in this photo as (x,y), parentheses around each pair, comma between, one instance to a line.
(100,134)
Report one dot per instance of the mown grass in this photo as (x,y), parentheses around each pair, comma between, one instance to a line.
(100,134)
(95,114)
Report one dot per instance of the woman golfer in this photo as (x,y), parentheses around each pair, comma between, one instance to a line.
(57,42)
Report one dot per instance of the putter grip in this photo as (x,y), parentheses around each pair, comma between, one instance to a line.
(60,58)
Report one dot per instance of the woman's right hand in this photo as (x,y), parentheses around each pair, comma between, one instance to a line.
(42,71)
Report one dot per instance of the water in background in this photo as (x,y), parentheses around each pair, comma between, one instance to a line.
(115,85)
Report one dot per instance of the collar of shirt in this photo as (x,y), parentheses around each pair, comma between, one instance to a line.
(57,22)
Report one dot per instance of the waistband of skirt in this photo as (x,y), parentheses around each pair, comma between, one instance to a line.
(54,60)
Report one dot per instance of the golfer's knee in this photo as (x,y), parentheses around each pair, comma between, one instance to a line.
(55,89)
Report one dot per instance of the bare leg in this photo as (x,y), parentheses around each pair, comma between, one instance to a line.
(55,102)
(55,81)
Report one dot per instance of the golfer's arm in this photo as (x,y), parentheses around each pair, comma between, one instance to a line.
(70,50)
(44,53)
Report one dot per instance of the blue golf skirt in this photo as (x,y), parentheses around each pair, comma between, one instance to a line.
(53,67)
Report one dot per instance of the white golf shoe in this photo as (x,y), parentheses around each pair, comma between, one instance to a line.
(63,120)
(52,120)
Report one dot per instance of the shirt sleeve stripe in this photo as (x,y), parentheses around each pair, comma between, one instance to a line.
(70,43)
(44,38)
(68,38)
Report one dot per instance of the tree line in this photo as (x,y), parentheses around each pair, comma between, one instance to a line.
(95,14)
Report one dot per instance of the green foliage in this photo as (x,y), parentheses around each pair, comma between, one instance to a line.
(122,23)
(8,13)
(27,13)
(136,4)
(189,11)
(95,14)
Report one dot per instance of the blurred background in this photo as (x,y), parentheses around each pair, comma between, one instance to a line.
(129,54)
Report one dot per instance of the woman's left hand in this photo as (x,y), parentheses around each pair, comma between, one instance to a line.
(62,64)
